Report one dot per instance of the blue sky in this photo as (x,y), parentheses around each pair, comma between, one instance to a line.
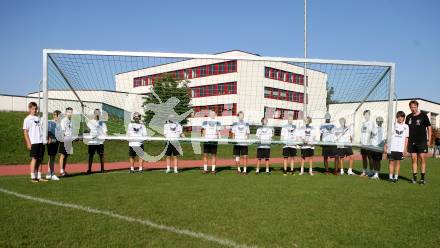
(402,31)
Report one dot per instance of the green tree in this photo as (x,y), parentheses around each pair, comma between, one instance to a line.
(330,93)
(165,88)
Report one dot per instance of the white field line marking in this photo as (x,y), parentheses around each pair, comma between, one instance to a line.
(149,223)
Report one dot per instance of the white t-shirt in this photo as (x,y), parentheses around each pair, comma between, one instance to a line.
(366,130)
(97,128)
(265,134)
(289,134)
(33,124)
(211,127)
(66,129)
(377,136)
(400,133)
(136,130)
(308,135)
(241,131)
(344,134)
(172,130)
(328,132)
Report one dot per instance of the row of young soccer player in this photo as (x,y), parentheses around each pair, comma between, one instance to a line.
(60,132)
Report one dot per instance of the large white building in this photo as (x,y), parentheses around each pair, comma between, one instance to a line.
(257,88)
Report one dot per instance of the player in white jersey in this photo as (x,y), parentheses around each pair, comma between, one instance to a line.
(66,138)
(210,130)
(289,134)
(307,136)
(366,131)
(397,146)
(136,147)
(264,134)
(377,139)
(344,134)
(240,132)
(53,144)
(33,136)
(97,128)
(172,131)
(328,135)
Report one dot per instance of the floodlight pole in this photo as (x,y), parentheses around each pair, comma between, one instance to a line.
(305,63)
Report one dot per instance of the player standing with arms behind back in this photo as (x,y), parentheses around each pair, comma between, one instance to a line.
(66,140)
(420,133)
(53,144)
(172,131)
(264,133)
(344,134)
(308,136)
(396,148)
(240,131)
(135,147)
(95,145)
(33,136)
(289,136)
(210,130)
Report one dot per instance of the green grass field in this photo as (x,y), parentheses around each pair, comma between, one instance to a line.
(263,211)
(14,151)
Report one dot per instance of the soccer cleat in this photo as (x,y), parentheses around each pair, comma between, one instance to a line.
(363,174)
(204,172)
(89,172)
(301,173)
(213,172)
(48,176)
(244,173)
(422,182)
(391,180)
(374,177)
(350,173)
(327,172)
(175,172)
(34,180)
(63,174)
(42,180)
(341,173)
(54,178)
(132,171)
(311,174)
(167,171)
(396,180)
(140,170)
(284,174)
(413,181)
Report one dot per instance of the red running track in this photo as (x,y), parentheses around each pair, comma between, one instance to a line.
(9,170)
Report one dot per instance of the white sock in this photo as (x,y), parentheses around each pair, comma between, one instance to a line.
(213,167)
(33,175)
(238,169)
(61,171)
(349,170)
(141,169)
(131,168)
(257,170)
(302,170)
(267,169)
(391,176)
(244,169)
(168,168)
(175,168)
(396,176)
(310,170)
(38,175)
(342,170)
(376,174)
(205,167)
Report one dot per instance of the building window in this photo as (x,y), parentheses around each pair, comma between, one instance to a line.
(279,113)
(285,95)
(284,76)
(220,109)
(215,89)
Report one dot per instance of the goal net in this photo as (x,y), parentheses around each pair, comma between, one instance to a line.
(192,85)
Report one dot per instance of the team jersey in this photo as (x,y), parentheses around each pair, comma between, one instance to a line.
(308,136)
(66,128)
(136,130)
(211,127)
(328,132)
(53,129)
(172,130)
(366,130)
(400,133)
(265,134)
(377,136)
(417,128)
(33,124)
(289,134)
(97,128)
(343,134)
(241,131)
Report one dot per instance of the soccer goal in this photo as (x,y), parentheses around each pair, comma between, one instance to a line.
(154,84)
